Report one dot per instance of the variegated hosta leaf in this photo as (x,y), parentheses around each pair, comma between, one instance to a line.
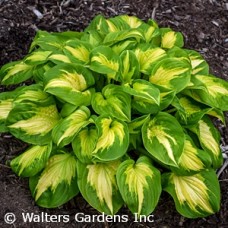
(134,128)
(70,82)
(92,37)
(78,51)
(64,132)
(148,56)
(84,143)
(171,73)
(33,94)
(209,138)
(163,137)
(40,70)
(49,41)
(105,61)
(199,65)
(170,38)
(37,57)
(113,139)
(58,58)
(139,184)
(6,105)
(32,120)
(189,111)
(195,196)
(213,91)
(97,184)
(144,106)
(15,72)
(166,97)
(57,184)
(143,89)
(129,67)
(192,159)
(99,24)
(125,45)
(114,102)
(132,21)
(115,37)
(151,33)
(32,161)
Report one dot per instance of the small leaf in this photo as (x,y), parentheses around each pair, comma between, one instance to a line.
(104,61)
(195,196)
(192,159)
(163,137)
(84,143)
(37,57)
(15,72)
(57,184)
(78,51)
(64,132)
(209,138)
(199,65)
(139,184)
(129,68)
(97,184)
(148,56)
(113,139)
(170,38)
(113,101)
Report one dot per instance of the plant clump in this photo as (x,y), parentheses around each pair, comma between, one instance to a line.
(118,112)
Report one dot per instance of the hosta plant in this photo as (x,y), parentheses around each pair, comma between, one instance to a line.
(117,113)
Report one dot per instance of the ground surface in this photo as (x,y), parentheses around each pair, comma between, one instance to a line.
(204,25)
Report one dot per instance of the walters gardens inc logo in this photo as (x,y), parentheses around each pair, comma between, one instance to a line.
(80,217)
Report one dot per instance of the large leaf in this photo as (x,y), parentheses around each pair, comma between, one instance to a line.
(113,101)
(57,184)
(113,139)
(15,72)
(139,184)
(163,137)
(209,90)
(97,184)
(209,138)
(195,196)
(32,161)
(64,132)
(70,82)
(171,73)
(33,116)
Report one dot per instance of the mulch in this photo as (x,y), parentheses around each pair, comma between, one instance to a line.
(204,26)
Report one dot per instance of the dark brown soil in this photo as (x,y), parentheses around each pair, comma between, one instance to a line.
(204,25)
